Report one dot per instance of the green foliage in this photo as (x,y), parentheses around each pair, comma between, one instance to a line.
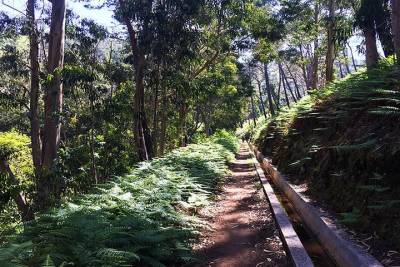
(14,147)
(146,218)
(336,138)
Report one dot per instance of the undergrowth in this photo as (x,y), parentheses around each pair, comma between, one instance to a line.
(146,218)
(344,141)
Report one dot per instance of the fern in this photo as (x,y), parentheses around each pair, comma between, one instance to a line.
(134,220)
(386,111)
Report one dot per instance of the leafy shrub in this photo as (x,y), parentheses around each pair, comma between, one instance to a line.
(14,147)
(146,218)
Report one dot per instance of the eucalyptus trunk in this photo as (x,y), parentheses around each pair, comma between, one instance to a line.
(35,87)
(371,50)
(314,78)
(268,87)
(261,98)
(330,52)
(53,101)
(139,118)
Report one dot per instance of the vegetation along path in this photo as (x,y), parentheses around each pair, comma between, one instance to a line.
(243,231)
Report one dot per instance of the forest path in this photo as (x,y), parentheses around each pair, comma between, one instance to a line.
(243,231)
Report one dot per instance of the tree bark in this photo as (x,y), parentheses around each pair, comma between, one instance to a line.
(268,87)
(261,98)
(284,87)
(314,79)
(35,87)
(253,110)
(296,85)
(330,53)
(138,112)
(164,118)
(396,27)
(371,50)
(155,114)
(53,99)
(383,27)
(352,57)
(54,91)
(288,87)
(345,55)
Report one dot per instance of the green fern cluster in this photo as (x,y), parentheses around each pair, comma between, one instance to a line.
(147,218)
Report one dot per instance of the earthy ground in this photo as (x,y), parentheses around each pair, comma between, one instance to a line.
(242,229)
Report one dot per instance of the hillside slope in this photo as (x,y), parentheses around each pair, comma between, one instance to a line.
(344,142)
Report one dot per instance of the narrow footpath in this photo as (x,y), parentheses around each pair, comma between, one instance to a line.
(242,229)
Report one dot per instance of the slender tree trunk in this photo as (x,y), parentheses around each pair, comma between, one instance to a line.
(330,53)
(268,87)
(341,70)
(183,110)
(278,100)
(371,49)
(396,27)
(261,98)
(92,140)
(138,113)
(22,205)
(164,118)
(155,115)
(288,87)
(314,79)
(253,110)
(347,60)
(284,87)
(352,57)
(296,85)
(35,86)
(304,69)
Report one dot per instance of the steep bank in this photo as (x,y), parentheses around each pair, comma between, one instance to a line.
(344,142)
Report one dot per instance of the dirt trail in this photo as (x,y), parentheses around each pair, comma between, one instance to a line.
(243,231)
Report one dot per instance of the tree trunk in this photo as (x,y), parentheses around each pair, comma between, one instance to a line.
(304,68)
(352,57)
(261,98)
(314,79)
(284,87)
(288,87)
(23,207)
(164,117)
(54,91)
(53,100)
(295,82)
(138,112)
(155,114)
(268,87)
(183,110)
(345,55)
(396,27)
(383,28)
(371,50)
(330,53)
(34,93)
(253,110)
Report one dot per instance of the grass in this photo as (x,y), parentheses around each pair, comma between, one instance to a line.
(146,218)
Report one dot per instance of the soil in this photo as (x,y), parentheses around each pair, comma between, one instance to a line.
(242,231)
